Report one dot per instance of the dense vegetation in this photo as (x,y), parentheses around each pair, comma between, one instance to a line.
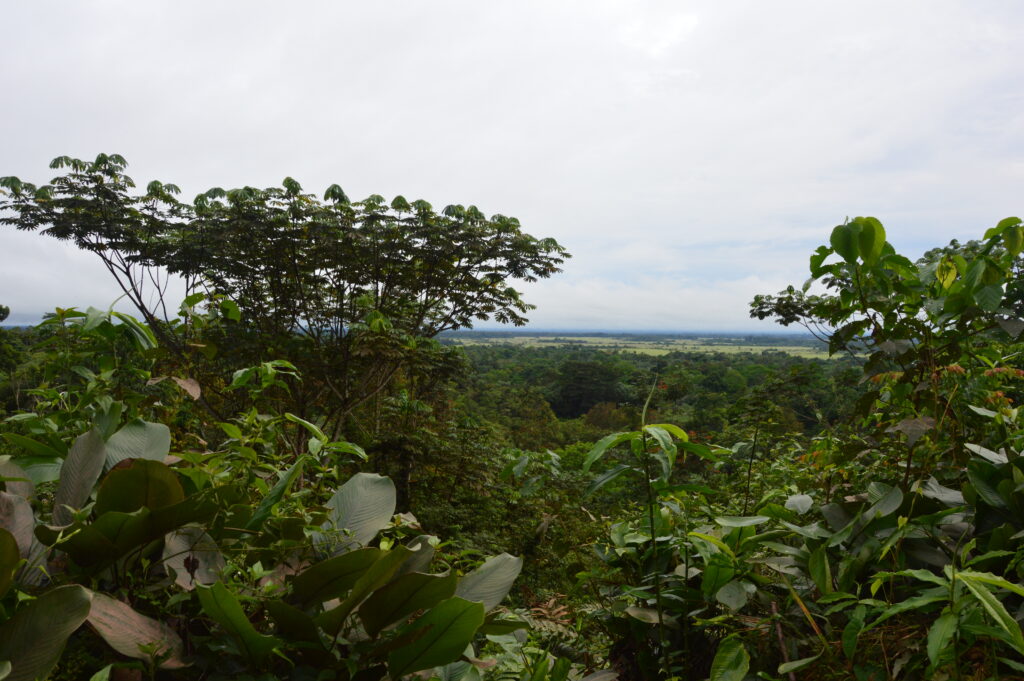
(289,477)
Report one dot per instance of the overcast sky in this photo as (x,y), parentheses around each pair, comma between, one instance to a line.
(688,154)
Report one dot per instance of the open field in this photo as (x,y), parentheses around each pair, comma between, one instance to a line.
(648,344)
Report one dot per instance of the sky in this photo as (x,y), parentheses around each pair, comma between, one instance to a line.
(688,154)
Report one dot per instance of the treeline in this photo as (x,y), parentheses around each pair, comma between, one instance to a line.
(553,396)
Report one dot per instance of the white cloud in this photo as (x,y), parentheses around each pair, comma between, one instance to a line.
(704,144)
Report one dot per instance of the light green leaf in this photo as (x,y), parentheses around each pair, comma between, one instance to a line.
(797,665)
(733,595)
(490,582)
(871,239)
(362,507)
(78,475)
(731,662)
(139,440)
(940,634)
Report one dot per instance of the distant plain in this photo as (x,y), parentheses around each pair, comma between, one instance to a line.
(648,344)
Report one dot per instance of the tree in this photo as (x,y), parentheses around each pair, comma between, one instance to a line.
(350,292)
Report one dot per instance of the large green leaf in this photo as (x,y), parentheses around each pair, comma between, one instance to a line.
(16,517)
(404,596)
(144,484)
(33,639)
(887,500)
(139,440)
(78,475)
(361,508)
(332,578)
(731,661)
(422,554)
(378,574)
(223,607)
(844,242)
(10,558)
(820,570)
(18,481)
(490,582)
(135,635)
(871,239)
(450,626)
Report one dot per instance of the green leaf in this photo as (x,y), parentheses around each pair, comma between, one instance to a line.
(33,446)
(607,477)
(139,332)
(820,570)
(674,430)
(889,499)
(940,634)
(33,639)
(135,635)
(731,662)
(139,440)
(991,579)
(844,242)
(10,560)
(275,495)
(851,632)
(421,554)
(450,626)
(732,595)
(16,517)
(332,578)
(871,239)
(603,445)
(741,521)
(989,298)
(362,507)
(404,596)
(223,607)
(313,429)
(995,609)
(490,582)
(144,484)
(375,577)
(797,665)
(78,475)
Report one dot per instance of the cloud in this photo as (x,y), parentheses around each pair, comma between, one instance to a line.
(704,145)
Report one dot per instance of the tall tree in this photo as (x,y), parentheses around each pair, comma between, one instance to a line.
(350,292)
